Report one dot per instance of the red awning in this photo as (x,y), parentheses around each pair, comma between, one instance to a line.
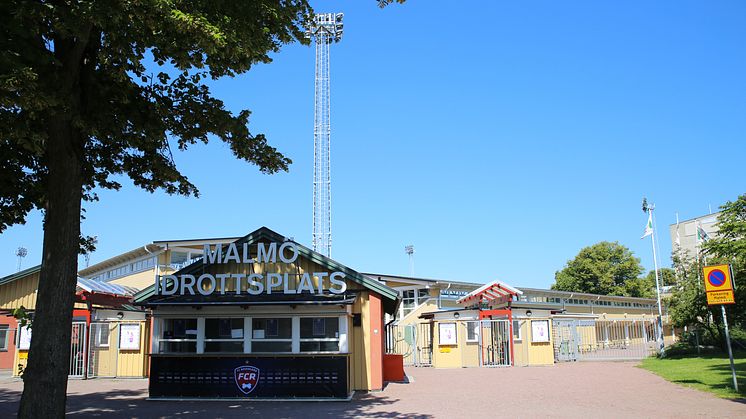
(496,292)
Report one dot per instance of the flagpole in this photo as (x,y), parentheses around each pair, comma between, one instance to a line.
(657,287)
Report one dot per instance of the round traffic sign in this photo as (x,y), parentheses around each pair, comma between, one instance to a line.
(716,277)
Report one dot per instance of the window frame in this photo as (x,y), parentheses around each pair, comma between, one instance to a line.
(319,339)
(97,338)
(161,339)
(519,329)
(4,342)
(477,330)
(343,323)
(206,340)
(291,339)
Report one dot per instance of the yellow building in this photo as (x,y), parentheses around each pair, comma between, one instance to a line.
(264,316)
(104,325)
(575,326)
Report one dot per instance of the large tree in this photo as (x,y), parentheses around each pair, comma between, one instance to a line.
(90,90)
(688,304)
(603,268)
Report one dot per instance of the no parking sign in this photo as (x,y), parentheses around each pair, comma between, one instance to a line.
(718,284)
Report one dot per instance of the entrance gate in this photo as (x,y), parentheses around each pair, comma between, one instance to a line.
(77,350)
(494,343)
(565,340)
(604,340)
(413,341)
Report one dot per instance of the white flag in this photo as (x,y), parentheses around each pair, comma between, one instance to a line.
(702,235)
(648,226)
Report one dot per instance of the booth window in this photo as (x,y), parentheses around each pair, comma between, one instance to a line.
(179,335)
(319,334)
(101,335)
(3,337)
(272,335)
(224,335)
(472,331)
(516,330)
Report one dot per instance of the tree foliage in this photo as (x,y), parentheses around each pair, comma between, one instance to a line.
(89,61)
(93,90)
(604,268)
(688,303)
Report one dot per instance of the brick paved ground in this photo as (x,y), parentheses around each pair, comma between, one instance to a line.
(566,390)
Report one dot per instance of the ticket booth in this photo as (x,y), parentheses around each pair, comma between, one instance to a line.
(477,334)
(265,317)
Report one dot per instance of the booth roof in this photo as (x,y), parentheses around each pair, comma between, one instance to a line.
(493,293)
(390,297)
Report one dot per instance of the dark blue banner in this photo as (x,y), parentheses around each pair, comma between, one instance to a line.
(246,376)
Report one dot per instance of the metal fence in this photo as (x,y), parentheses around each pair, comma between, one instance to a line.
(604,340)
(413,341)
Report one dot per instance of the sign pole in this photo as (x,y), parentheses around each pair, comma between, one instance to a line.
(730,351)
(719,289)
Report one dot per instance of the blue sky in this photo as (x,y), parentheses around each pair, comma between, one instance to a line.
(497,137)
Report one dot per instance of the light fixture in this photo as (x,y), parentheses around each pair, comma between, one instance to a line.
(120,315)
(456,315)
(528,313)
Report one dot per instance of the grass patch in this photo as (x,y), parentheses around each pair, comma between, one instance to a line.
(707,372)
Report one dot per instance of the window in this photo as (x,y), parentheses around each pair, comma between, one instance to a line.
(3,337)
(422,296)
(101,335)
(413,298)
(516,330)
(178,336)
(272,335)
(319,334)
(181,259)
(224,335)
(408,302)
(472,331)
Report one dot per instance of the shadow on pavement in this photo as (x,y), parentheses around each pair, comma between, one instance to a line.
(132,404)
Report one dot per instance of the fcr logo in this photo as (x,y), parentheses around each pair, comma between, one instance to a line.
(247,378)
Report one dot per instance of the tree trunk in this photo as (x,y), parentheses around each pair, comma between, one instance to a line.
(45,377)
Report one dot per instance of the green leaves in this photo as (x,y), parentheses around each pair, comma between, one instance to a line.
(89,61)
(604,268)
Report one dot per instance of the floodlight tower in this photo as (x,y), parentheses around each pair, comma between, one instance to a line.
(325,29)
(409,249)
(21,253)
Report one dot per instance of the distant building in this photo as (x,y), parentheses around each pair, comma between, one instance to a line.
(684,234)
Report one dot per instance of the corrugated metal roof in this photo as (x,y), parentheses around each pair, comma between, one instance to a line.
(105,287)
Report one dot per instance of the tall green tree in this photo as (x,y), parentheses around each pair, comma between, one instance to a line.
(79,106)
(603,268)
(688,303)
(666,277)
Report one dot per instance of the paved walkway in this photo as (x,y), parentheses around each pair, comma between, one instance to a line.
(566,390)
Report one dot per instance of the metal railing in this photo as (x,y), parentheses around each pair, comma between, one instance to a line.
(604,340)
(412,341)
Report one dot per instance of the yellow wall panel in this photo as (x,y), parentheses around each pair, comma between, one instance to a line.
(21,292)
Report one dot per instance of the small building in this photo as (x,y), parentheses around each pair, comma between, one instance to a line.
(265,317)
(545,326)
(108,333)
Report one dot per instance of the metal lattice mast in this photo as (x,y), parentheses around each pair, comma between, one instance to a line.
(325,30)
